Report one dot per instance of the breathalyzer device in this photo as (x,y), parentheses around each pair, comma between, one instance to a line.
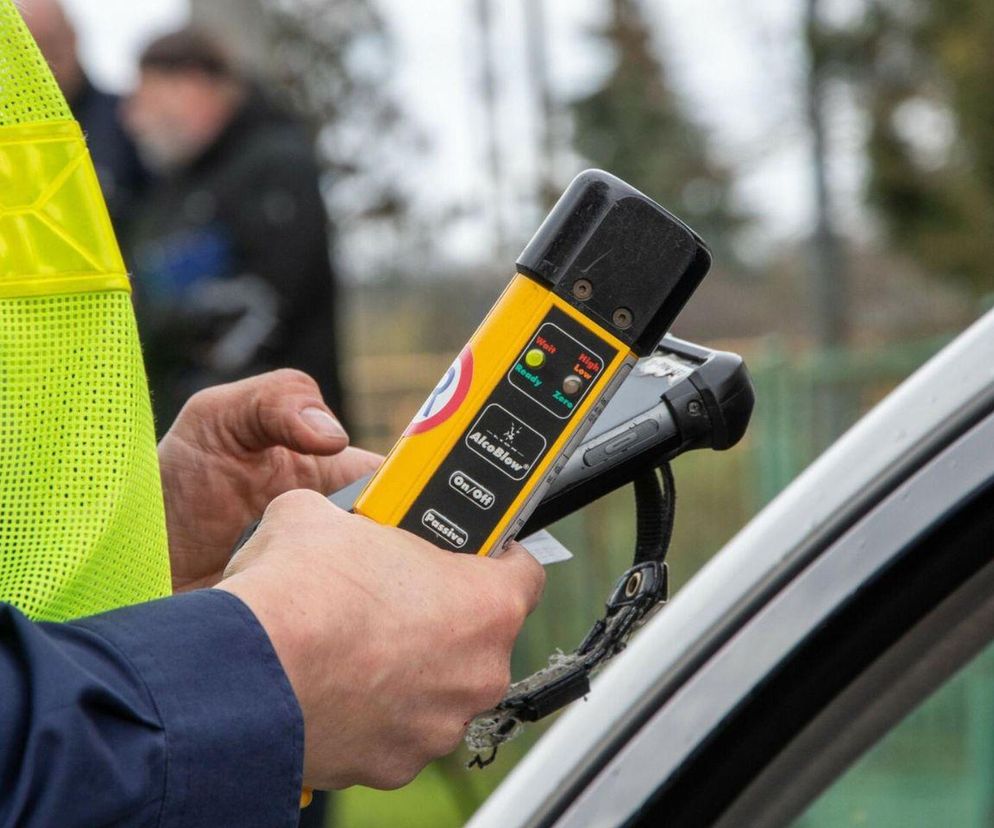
(596,288)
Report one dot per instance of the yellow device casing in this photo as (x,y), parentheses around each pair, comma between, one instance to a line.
(596,288)
(460,398)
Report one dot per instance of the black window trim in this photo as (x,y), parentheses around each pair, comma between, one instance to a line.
(945,434)
(608,758)
(879,698)
(842,669)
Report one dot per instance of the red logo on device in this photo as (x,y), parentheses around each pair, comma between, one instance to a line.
(448,395)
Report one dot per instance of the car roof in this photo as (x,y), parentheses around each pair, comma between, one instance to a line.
(916,418)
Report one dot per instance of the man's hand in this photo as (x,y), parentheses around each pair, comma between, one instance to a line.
(391,644)
(232,449)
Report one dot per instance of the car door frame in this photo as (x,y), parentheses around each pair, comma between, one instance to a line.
(907,439)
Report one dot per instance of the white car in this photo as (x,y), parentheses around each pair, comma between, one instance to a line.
(862,589)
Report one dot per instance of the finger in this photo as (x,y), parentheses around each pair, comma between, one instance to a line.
(284,513)
(337,472)
(281,408)
(524,573)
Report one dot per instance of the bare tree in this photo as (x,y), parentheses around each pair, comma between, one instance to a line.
(536,36)
(827,253)
(488,92)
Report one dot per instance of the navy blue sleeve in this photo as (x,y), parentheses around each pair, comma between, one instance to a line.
(171,713)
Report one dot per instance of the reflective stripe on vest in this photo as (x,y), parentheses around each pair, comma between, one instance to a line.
(82,527)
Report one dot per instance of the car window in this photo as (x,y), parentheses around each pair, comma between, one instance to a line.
(934,768)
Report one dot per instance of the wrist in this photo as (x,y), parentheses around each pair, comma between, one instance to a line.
(285,636)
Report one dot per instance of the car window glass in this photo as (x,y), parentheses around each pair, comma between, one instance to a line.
(934,768)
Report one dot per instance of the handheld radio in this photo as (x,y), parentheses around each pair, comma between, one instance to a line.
(596,288)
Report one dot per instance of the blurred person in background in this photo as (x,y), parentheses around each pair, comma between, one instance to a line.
(122,175)
(230,246)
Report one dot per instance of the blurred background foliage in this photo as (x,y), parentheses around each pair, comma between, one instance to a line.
(829,317)
(623,124)
(828,323)
(924,71)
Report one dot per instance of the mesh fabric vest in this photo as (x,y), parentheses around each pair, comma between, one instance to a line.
(82,527)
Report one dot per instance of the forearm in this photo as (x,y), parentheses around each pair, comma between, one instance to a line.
(175,712)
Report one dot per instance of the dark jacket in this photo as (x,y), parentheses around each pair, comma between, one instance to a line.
(121,173)
(173,714)
(231,264)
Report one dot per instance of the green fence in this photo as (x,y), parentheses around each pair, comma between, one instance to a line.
(804,400)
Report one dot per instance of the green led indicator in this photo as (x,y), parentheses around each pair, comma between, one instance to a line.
(535,358)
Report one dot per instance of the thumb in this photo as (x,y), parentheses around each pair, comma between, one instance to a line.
(523,573)
(280,408)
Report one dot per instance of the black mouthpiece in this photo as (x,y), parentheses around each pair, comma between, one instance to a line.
(618,257)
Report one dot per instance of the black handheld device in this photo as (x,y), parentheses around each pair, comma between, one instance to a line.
(679,398)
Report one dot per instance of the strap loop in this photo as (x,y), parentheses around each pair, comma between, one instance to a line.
(642,588)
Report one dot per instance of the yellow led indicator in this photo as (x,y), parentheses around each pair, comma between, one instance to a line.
(535,358)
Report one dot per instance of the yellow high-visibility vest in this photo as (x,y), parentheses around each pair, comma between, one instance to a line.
(82,526)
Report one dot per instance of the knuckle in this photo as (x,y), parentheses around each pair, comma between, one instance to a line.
(446,739)
(397,781)
(455,737)
(296,500)
(492,683)
(393,775)
(206,398)
(533,580)
(496,688)
(538,577)
(514,610)
(285,377)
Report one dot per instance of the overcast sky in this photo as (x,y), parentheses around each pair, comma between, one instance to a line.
(736,64)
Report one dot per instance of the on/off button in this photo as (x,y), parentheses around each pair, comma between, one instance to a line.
(478,494)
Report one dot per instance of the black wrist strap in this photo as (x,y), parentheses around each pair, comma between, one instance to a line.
(641,589)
